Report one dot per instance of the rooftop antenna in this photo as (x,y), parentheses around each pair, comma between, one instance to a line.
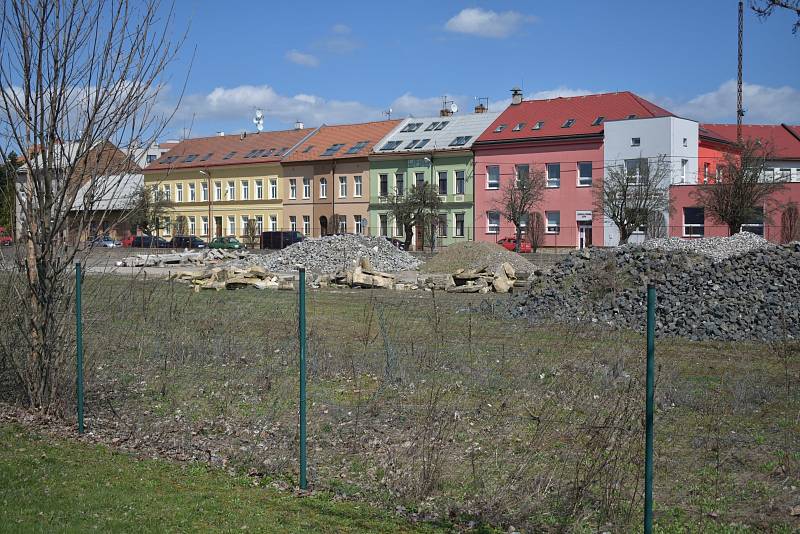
(388,114)
(739,109)
(258,120)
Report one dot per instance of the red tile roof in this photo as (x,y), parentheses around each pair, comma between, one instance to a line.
(216,151)
(554,112)
(783,138)
(347,135)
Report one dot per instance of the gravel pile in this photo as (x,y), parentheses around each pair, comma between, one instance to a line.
(476,255)
(752,295)
(331,253)
(716,248)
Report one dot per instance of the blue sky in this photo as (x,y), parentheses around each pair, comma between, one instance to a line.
(348,61)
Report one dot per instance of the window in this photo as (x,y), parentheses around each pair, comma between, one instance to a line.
(431,126)
(151,158)
(706,172)
(384,225)
(342,186)
(419,178)
(293,223)
(500,128)
(358,190)
(384,185)
(441,125)
(411,127)
(522,173)
(231,225)
(342,224)
(229,155)
(411,144)
(205,158)
(769,175)
(231,190)
(259,224)
(492,177)
(356,148)
(178,192)
(192,193)
(553,175)
(584,173)
(459,230)
(273,188)
(217,190)
(755,223)
(519,126)
(323,188)
(192,224)
(273,223)
(190,158)
(693,222)
(442,182)
(493,222)
(568,123)
(399,183)
(166,192)
(459,182)
(306,224)
(631,116)
(246,190)
(360,223)
(204,225)
(292,188)
(786,175)
(422,143)
(245,222)
(685,142)
(441,225)
(259,189)
(167,225)
(333,149)
(538,125)
(398,229)
(553,221)
(306,187)
(204,192)
(391,145)
(684,165)
(308,149)
(254,153)
(598,121)
(637,170)
(636,141)
(461,140)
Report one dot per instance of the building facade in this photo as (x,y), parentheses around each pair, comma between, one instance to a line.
(436,151)
(216,185)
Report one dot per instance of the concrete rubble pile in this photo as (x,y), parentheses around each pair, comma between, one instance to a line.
(219,278)
(500,279)
(200,257)
(331,254)
(727,292)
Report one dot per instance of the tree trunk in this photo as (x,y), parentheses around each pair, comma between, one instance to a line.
(409,230)
(519,238)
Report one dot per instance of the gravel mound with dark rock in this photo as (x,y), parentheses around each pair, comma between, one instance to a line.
(716,248)
(476,255)
(750,295)
(332,253)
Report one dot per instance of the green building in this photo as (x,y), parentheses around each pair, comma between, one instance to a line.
(435,150)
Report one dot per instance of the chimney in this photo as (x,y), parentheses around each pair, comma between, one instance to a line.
(480,108)
(444,112)
(298,125)
(516,96)
(221,134)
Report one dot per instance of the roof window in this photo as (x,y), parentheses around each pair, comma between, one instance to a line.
(190,158)
(538,125)
(441,125)
(308,149)
(519,126)
(333,149)
(411,127)
(461,140)
(208,155)
(568,123)
(500,128)
(432,126)
(598,121)
(411,144)
(632,116)
(391,145)
(356,148)
(229,155)
(422,143)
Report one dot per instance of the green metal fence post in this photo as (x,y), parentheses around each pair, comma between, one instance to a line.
(302,330)
(79,343)
(648,458)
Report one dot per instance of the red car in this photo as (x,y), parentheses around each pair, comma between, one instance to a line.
(128,241)
(5,239)
(511,242)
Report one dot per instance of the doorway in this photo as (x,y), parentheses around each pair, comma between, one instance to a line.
(218,226)
(584,234)
(323,226)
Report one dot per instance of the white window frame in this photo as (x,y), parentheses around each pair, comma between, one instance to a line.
(323,188)
(456,232)
(306,188)
(231,190)
(306,225)
(217,191)
(358,186)
(492,228)
(204,225)
(489,185)
(463,183)
(383,179)
(244,219)
(273,188)
(232,225)
(343,187)
(636,141)
(192,220)
(259,189)
(341,224)
(687,227)
(684,168)
(547,169)
(383,225)
(259,224)
(293,223)
(192,192)
(292,189)
(446,182)
(397,190)
(273,223)
(178,192)
(552,228)
(245,189)
(204,192)
(581,178)
(166,192)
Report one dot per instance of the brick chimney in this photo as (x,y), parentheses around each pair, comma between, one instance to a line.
(516,96)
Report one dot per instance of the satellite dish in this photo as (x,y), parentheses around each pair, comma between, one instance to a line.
(258,120)
(453,108)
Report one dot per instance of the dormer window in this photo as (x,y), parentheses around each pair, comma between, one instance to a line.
(568,123)
(538,125)
(519,126)
(598,121)
(500,128)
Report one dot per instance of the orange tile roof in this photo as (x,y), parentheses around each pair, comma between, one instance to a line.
(347,135)
(784,139)
(219,150)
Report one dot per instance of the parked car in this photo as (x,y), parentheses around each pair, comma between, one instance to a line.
(128,241)
(5,238)
(225,242)
(147,241)
(279,240)
(105,241)
(187,241)
(510,243)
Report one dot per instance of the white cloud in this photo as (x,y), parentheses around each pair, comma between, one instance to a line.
(498,105)
(341,29)
(487,23)
(300,58)
(770,105)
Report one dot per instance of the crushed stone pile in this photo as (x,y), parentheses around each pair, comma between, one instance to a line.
(330,254)
(476,255)
(716,248)
(750,295)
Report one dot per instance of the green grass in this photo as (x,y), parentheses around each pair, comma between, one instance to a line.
(49,485)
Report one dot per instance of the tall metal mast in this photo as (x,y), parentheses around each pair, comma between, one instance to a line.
(739,109)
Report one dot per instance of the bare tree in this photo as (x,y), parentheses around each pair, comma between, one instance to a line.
(519,197)
(74,76)
(742,188)
(419,207)
(765,8)
(148,209)
(536,230)
(251,232)
(631,193)
(180,226)
(790,223)
(8,176)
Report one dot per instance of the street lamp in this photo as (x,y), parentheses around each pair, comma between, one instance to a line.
(207,174)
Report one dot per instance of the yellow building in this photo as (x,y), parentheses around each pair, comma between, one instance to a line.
(220,183)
